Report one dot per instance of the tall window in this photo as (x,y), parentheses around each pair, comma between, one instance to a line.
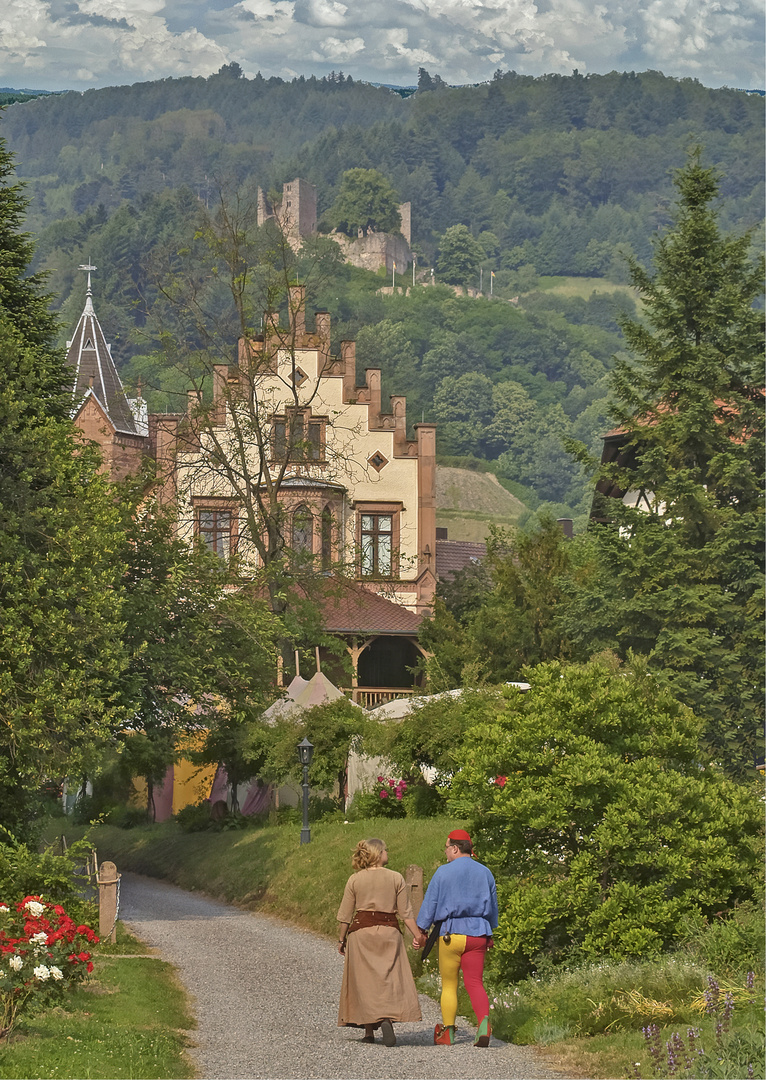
(327,538)
(303,531)
(214,528)
(377,545)
(298,436)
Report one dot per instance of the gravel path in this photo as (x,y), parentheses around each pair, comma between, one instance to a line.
(265,995)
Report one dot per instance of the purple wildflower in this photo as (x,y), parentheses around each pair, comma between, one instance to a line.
(712,995)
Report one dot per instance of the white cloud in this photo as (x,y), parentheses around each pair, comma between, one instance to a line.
(75,43)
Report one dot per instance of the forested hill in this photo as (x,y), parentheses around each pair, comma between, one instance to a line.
(498,156)
(550,176)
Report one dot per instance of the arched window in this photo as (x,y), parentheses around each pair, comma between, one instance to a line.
(303,531)
(326,538)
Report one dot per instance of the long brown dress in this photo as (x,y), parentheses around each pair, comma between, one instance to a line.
(377,980)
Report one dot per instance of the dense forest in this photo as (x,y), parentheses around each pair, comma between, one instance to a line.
(553,177)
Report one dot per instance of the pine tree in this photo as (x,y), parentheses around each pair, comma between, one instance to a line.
(681,579)
(60,538)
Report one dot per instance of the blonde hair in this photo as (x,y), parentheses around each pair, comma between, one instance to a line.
(367,853)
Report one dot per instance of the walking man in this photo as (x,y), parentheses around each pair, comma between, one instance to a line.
(461,902)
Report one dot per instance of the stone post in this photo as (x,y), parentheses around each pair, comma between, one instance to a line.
(108,884)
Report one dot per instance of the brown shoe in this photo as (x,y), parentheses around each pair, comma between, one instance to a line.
(387,1031)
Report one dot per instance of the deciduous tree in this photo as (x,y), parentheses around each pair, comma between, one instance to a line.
(603,823)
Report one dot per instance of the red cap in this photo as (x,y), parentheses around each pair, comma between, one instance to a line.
(459,834)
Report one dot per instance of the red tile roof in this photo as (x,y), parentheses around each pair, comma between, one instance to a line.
(454,555)
(356,610)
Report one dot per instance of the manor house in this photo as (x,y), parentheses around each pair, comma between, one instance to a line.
(353,487)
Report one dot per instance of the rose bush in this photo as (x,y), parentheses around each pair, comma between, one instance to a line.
(42,953)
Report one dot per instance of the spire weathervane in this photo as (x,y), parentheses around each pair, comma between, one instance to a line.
(88,266)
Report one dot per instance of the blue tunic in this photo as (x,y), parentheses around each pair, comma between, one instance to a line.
(461,895)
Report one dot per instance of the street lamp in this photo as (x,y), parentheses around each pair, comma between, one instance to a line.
(305,754)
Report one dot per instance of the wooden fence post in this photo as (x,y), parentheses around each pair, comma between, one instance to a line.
(108,901)
(413,879)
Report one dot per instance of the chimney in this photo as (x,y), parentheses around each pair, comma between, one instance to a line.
(399,409)
(567,527)
(220,383)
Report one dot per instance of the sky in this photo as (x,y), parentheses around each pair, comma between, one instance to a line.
(78,44)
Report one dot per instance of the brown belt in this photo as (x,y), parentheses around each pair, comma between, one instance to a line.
(373,918)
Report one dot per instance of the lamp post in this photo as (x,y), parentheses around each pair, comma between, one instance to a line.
(305,754)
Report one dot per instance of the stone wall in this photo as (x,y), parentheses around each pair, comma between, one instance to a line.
(375,250)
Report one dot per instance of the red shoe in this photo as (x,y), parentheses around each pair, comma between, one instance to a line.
(444,1035)
(483,1033)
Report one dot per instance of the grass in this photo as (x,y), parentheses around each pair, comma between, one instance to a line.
(265,868)
(130,1019)
(581,286)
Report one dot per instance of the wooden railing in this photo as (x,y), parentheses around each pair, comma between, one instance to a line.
(371,696)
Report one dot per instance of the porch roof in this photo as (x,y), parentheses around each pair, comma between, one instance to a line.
(356,610)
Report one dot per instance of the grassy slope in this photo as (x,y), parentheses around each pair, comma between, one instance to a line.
(469,502)
(266,869)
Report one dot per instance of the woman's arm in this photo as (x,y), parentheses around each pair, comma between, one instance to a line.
(416,932)
(342,931)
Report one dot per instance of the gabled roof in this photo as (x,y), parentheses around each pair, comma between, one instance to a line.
(95,373)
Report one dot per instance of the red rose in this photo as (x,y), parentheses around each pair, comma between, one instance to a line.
(501,781)
(384,794)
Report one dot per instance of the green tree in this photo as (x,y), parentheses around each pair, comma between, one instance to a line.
(680,579)
(604,825)
(61,654)
(494,620)
(202,656)
(367,202)
(459,257)
(332,728)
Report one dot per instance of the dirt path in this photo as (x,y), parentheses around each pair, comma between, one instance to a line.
(265,995)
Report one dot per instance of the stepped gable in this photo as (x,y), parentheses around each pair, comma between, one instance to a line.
(95,374)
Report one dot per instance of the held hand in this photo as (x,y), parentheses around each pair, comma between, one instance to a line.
(419,941)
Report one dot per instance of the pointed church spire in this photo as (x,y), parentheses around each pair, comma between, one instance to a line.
(94,370)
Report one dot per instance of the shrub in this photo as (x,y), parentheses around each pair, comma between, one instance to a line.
(42,952)
(732,942)
(423,801)
(24,872)
(128,817)
(196,818)
(386,800)
(602,821)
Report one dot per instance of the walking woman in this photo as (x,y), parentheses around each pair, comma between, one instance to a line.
(378,989)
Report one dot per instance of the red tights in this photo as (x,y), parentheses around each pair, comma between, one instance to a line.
(466,954)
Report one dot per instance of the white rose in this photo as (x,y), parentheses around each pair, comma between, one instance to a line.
(4,907)
(57,973)
(39,939)
(34,908)
(16,963)
(41,973)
